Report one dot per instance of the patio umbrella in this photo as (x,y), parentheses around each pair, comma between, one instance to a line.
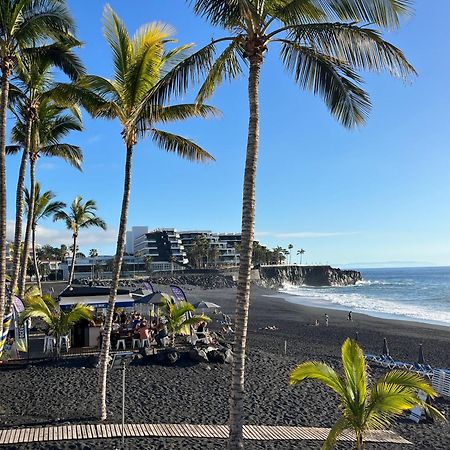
(205,305)
(385,347)
(421,359)
(156,298)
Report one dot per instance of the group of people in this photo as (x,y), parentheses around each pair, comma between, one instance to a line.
(137,327)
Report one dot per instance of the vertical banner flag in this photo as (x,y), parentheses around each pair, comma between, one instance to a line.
(178,293)
(21,328)
(6,324)
(148,286)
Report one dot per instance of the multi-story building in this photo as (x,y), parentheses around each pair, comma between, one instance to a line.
(164,245)
(225,245)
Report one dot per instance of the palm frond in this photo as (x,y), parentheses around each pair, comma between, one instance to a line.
(314,370)
(71,154)
(355,371)
(119,40)
(330,78)
(360,47)
(226,66)
(185,148)
(340,426)
(185,111)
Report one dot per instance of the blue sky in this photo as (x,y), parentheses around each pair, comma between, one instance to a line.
(375,196)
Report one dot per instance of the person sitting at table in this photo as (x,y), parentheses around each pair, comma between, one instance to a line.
(143,330)
(136,320)
(201,330)
(123,318)
(161,334)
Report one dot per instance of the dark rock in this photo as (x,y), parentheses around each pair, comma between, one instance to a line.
(277,276)
(216,356)
(198,355)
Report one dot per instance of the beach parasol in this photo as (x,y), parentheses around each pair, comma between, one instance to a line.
(421,359)
(385,347)
(156,298)
(205,305)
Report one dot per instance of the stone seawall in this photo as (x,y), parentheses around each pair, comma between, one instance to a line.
(277,276)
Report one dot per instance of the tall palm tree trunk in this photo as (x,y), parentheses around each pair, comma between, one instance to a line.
(35,260)
(30,218)
(19,213)
(74,257)
(4,98)
(106,342)
(243,289)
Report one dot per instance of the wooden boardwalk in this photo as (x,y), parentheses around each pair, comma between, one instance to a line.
(108,431)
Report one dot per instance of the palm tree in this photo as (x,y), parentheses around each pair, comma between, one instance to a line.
(365,408)
(81,215)
(32,85)
(290,247)
(278,251)
(51,124)
(140,63)
(26,26)
(323,44)
(179,318)
(43,207)
(301,252)
(93,253)
(58,322)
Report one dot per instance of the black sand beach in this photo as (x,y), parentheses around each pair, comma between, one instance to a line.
(199,393)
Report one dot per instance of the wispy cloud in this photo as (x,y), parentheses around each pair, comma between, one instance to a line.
(57,237)
(95,138)
(304,234)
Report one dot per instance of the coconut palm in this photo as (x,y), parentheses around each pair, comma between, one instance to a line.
(93,253)
(33,84)
(279,255)
(43,207)
(322,43)
(179,318)
(290,247)
(51,124)
(58,322)
(301,252)
(140,63)
(27,28)
(364,408)
(80,216)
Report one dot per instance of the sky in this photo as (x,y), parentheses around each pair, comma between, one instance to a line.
(375,196)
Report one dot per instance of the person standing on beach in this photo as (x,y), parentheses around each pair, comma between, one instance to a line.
(350,316)
(326,320)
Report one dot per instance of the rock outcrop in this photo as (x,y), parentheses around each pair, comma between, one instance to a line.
(277,276)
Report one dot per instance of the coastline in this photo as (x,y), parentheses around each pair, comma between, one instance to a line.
(317,302)
(198,393)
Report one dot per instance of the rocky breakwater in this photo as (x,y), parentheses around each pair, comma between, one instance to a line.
(278,276)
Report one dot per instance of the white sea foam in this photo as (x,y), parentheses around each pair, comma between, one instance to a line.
(359,301)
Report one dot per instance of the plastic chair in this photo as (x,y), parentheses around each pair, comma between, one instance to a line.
(136,343)
(119,343)
(49,344)
(64,341)
(143,342)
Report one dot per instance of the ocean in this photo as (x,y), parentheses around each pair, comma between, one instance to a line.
(420,294)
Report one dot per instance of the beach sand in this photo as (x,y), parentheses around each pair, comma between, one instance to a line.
(198,393)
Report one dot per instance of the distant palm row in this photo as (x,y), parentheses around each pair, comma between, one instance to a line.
(322,43)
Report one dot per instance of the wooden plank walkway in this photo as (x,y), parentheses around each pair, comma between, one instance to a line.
(251,432)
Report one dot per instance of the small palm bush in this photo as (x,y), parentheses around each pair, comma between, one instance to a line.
(364,408)
(179,317)
(58,322)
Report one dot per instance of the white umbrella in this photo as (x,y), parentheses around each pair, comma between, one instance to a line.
(205,305)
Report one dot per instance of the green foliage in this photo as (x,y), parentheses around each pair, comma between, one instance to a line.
(179,318)
(141,63)
(81,215)
(43,205)
(365,408)
(322,43)
(58,322)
